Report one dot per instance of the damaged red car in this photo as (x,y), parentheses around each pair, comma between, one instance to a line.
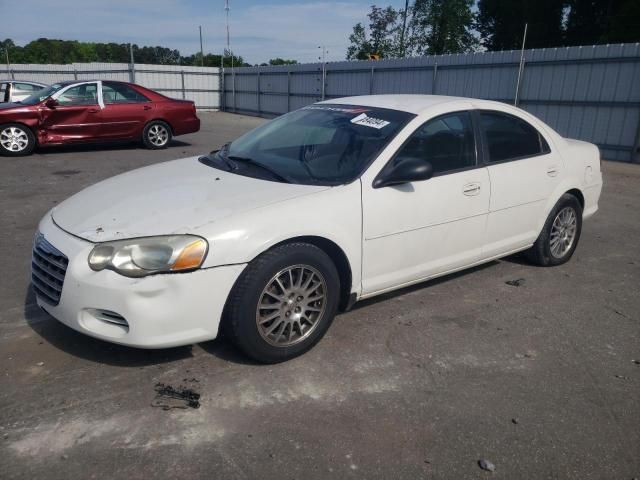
(93,111)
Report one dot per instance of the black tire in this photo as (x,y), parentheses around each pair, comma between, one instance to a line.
(240,319)
(156,135)
(23,132)
(540,253)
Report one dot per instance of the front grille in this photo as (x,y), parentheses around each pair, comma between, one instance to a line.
(48,267)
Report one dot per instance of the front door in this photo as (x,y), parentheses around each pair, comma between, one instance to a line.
(76,118)
(420,229)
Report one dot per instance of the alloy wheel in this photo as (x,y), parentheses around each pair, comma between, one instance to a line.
(14,139)
(563,232)
(158,135)
(291,305)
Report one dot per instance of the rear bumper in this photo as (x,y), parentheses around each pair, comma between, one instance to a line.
(152,312)
(190,125)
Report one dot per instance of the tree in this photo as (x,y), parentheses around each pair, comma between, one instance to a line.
(602,21)
(501,23)
(282,61)
(442,26)
(383,38)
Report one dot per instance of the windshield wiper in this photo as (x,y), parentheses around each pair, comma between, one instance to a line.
(251,161)
(216,155)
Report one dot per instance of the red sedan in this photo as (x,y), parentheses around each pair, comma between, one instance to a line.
(93,111)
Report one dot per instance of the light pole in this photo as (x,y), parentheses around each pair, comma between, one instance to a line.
(324,68)
(201,51)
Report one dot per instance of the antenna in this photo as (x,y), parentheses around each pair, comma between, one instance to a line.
(226,11)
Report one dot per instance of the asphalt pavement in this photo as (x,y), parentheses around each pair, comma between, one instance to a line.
(540,377)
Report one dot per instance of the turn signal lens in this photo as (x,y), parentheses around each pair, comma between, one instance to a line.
(191,256)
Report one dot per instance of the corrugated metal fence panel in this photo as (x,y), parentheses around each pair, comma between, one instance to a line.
(591,93)
(200,84)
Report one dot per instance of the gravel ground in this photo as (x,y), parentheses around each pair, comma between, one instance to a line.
(542,380)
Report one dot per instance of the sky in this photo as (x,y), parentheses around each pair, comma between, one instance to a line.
(260,30)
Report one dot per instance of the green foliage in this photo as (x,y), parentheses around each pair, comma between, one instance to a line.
(282,61)
(434,27)
(602,21)
(501,23)
(44,50)
(442,26)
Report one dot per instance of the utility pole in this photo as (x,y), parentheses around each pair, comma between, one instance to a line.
(521,66)
(404,28)
(201,51)
(132,68)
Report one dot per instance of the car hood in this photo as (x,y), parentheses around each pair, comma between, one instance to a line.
(181,196)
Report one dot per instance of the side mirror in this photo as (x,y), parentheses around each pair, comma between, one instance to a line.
(404,170)
(51,103)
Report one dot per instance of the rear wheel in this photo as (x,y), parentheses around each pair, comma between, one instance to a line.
(16,140)
(156,135)
(560,234)
(283,303)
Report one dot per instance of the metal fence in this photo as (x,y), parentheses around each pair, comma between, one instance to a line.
(200,84)
(590,93)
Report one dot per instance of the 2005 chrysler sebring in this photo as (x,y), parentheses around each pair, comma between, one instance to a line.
(269,236)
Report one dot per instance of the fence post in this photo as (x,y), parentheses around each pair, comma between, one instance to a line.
(635,153)
(132,73)
(289,91)
(435,77)
(233,87)
(222,91)
(75,74)
(258,90)
(371,81)
(13,74)
(182,82)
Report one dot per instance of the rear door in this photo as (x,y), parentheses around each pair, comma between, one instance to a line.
(524,172)
(77,116)
(125,112)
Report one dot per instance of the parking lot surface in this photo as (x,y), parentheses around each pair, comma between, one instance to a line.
(541,379)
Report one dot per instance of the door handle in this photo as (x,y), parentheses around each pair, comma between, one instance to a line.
(471,189)
(552,171)
(146,107)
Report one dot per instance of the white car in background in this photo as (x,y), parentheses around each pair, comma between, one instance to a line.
(338,201)
(12,91)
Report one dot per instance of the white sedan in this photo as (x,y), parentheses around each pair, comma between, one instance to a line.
(339,201)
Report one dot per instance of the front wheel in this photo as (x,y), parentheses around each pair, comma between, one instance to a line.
(16,140)
(560,234)
(283,303)
(156,135)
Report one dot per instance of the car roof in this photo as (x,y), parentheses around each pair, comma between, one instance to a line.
(416,104)
(23,81)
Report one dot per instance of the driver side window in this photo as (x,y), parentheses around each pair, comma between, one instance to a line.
(85,94)
(447,142)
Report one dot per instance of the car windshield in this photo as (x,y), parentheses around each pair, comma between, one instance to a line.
(40,95)
(321,144)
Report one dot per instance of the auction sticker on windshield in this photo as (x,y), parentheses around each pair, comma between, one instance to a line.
(372,122)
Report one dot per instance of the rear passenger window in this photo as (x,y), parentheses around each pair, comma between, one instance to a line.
(509,137)
(447,142)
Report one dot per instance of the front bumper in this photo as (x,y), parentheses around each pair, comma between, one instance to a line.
(165,310)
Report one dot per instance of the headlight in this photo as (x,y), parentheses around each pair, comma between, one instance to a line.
(139,257)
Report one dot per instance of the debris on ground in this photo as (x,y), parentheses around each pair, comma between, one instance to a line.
(514,421)
(486,465)
(515,283)
(40,364)
(168,397)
